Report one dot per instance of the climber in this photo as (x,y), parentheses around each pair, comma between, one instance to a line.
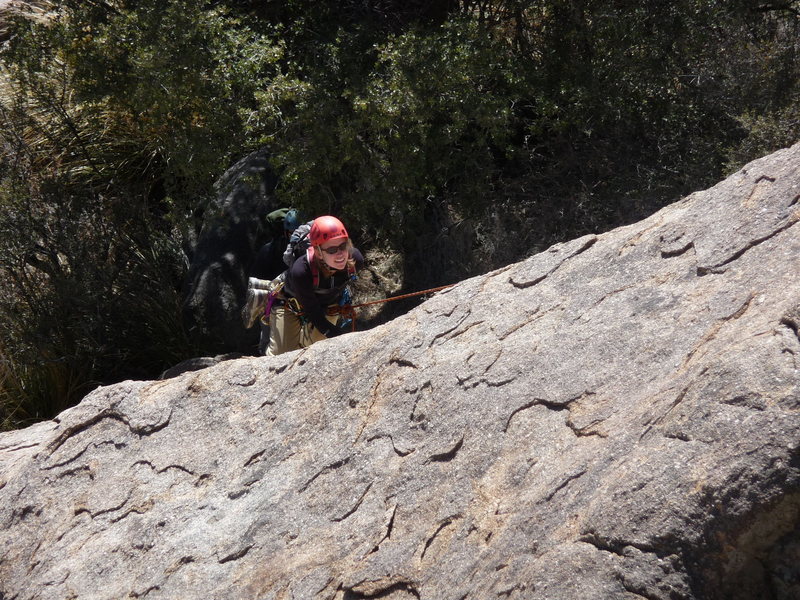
(308,307)
(268,263)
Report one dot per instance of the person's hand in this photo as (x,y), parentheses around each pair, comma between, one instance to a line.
(335,330)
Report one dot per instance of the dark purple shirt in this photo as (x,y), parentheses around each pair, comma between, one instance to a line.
(300,285)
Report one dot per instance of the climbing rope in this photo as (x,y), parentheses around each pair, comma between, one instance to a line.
(348,311)
(404,296)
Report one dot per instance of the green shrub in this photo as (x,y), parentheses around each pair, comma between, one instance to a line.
(430,117)
(461,135)
(115,121)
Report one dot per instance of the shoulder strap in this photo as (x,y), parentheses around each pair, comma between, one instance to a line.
(313,265)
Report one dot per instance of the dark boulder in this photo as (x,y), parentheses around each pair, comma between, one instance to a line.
(232,234)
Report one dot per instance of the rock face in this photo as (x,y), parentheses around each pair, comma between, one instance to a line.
(616,417)
(232,234)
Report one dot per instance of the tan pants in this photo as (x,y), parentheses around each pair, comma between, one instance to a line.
(286,332)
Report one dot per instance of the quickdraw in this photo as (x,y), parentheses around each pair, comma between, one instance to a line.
(292,305)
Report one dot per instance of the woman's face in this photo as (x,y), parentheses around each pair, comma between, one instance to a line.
(335,253)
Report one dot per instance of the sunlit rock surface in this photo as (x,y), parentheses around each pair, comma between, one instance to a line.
(616,417)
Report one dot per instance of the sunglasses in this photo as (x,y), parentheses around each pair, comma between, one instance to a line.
(334,250)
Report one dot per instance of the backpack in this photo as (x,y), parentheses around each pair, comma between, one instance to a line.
(298,244)
(274,221)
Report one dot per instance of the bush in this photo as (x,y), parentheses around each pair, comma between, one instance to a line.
(462,135)
(114,122)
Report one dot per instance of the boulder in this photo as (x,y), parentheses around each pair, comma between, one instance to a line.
(233,231)
(195,364)
(617,417)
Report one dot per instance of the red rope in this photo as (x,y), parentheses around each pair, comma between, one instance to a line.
(349,310)
(411,295)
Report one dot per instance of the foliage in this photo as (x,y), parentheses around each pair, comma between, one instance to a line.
(115,124)
(149,98)
(419,124)
(461,133)
(606,109)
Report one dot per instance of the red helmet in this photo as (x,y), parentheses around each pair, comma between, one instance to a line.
(326,228)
